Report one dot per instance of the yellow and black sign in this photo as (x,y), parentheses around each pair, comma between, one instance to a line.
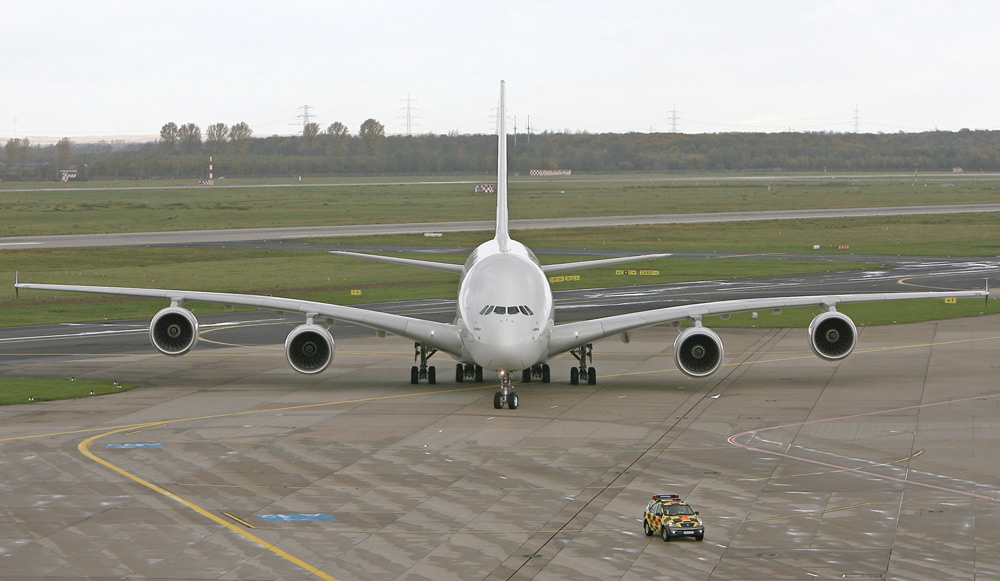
(621,272)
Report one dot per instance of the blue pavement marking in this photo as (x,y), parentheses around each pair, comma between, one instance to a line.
(296,517)
(131,446)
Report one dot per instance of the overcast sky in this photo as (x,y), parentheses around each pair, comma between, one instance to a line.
(125,68)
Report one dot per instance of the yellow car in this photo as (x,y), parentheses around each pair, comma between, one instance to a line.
(667,515)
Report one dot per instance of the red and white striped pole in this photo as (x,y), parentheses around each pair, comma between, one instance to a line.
(210,167)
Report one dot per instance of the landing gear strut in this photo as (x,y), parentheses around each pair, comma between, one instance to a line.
(584,354)
(536,372)
(506,395)
(423,353)
(468,371)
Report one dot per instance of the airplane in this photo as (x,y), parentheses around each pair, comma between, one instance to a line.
(504,319)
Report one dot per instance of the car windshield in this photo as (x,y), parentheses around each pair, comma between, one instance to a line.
(679,509)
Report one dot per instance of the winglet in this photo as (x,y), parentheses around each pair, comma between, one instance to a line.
(503,231)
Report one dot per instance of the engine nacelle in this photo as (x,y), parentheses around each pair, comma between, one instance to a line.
(832,335)
(309,348)
(698,351)
(174,331)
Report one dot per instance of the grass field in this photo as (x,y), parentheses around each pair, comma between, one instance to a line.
(321,277)
(305,275)
(942,235)
(16,390)
(152,206)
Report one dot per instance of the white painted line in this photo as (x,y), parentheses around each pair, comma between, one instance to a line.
(143,329)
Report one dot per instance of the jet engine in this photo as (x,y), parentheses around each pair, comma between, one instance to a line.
(832,335)
(698,351)
(174,331)
(309,348)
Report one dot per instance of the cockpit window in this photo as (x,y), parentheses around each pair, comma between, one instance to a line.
(512,310)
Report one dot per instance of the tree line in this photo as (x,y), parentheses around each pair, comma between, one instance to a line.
(182,150)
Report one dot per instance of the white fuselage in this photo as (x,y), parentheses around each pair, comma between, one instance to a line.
(505,308)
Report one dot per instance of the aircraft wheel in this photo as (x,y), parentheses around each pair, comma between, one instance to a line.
(414,375)
(431,375)
(497,400)
(574,376)
(546,374)
(592,376)
(459,373)
(526,376)
(512,401)
(479,374)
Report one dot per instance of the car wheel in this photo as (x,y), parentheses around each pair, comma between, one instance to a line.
(646,529)
(665,534)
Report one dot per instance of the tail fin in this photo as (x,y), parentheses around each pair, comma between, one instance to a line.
(503,230)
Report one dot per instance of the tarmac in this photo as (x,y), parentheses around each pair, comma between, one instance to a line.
(226,464)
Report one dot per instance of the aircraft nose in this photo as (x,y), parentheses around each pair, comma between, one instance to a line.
(507,355)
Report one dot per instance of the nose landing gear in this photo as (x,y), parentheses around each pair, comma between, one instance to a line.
(506,396)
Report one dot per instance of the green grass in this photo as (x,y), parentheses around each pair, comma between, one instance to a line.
(932,235)
(321,277)
(15,390)
(136,209)
(868,314)
(307,275)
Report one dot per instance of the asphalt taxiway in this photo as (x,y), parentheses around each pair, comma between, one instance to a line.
(215,237)
(226,464)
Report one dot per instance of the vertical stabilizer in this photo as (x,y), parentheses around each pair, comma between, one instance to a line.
(503,231)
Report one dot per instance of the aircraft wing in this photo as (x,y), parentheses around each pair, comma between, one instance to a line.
(554,268)
(445,266)
(571,335)
(458,268)
(443,336)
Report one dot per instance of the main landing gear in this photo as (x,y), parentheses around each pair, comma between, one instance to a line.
(423,353)
(506,395)
(468,371)
(536,372)
(583,354)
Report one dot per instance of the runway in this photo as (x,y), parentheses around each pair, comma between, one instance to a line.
(255,234)
(882,466)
